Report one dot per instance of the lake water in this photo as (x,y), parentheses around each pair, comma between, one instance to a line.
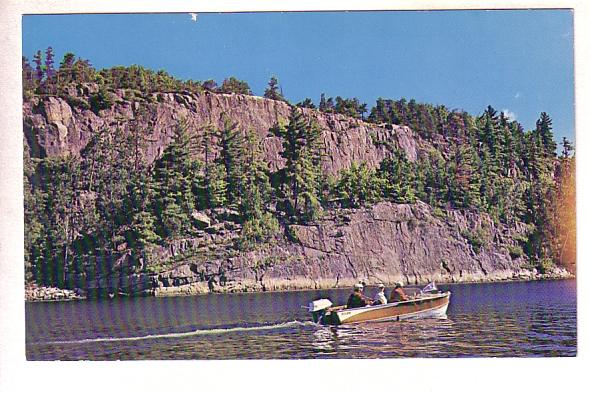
(515,319)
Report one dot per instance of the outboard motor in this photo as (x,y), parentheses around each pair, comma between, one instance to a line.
(317,308)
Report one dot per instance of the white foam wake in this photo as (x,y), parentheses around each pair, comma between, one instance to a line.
(197,332)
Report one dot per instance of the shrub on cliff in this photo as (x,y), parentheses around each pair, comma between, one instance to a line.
(233,85)
(101,100)
(478,238)
(257,231)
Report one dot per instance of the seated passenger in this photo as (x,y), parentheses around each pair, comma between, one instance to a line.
(357,299)
(380,296)
(398,294)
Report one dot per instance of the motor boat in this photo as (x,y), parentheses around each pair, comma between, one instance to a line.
(429,303)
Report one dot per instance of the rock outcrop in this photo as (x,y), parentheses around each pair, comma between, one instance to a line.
(54,127)
(382,244)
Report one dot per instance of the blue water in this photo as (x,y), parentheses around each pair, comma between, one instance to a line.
(517,319)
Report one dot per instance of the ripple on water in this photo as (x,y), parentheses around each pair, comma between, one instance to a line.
(499,320)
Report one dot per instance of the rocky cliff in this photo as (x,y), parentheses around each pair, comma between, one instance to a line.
(55,126)
(382,243)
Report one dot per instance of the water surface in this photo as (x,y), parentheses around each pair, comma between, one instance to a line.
(517,319)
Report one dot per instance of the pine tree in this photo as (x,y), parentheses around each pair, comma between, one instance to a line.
(214,191)
(465,184)
(233,85)
(397,176)
(176,175)
(28,75)
(273,91)
(300,182)
(49,63)
(39,72)
(57,181)
(256,188)
(568,148)
(307,103)
(358,186)
(232,157)
(545,130)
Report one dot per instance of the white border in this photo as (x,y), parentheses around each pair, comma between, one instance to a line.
(481,375)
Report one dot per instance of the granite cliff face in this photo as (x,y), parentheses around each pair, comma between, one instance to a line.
(52,126)
(383,243)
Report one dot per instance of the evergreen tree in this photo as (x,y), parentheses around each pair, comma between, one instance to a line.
(256,188)
(358,186)
(56,179)
(28,75)
(568,148)
(273,91)
(300,182)
(176,175)
(233,85)
(232,157)
(545,130)
(465,183)
(210,85)
(215,173)
(397,178)
(307,103)
(39,72)
(49,65)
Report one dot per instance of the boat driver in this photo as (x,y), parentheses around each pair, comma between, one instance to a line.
(380,296)
(398,294)
(357,299)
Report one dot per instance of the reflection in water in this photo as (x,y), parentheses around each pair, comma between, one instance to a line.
(508,319)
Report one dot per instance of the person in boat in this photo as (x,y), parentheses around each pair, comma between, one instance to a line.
(398,294)
(357,299)
(380,296)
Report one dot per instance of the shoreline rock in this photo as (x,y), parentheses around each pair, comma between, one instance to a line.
(34,293)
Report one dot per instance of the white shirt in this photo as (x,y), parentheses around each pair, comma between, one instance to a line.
(380,298)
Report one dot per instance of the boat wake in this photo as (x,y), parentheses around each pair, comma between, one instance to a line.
(198,332)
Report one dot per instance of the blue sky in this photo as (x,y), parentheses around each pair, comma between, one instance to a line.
(517,61)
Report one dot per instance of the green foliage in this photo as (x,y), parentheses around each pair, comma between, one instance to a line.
(397,176)
(101,100)
(545,265)
(350,107)
(256,188)
(76,102)
(233,85)
(273,91)
(438,212)
(258,230)
(177,178)
(345,106)
(478,238)
(144,228)
(358,186)
(232,156)
(307,103)
(300,183)
(515,251)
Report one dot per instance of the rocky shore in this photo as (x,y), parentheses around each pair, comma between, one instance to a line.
(34,293)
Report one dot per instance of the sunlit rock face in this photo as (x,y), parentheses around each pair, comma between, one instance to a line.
(55,127)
